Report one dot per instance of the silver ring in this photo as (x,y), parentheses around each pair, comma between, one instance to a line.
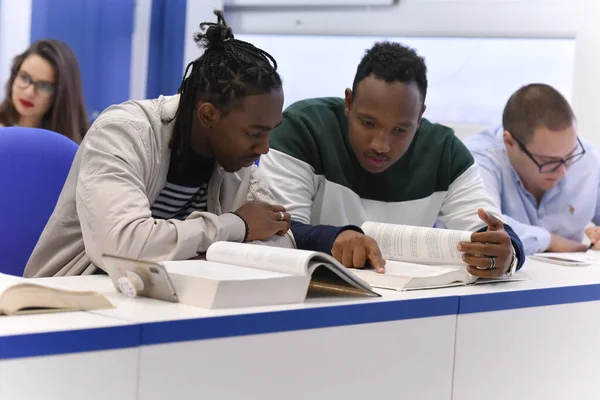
(281,216)
(492,265)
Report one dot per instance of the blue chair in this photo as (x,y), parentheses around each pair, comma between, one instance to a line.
(34,164)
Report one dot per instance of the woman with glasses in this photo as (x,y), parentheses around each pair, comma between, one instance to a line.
(545,178)
(44,91)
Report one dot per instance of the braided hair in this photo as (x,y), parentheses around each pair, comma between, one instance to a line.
(228,70)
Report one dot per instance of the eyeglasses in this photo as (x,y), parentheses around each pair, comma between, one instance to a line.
(548,167)
(44,88)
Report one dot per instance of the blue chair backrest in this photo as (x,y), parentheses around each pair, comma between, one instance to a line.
(34,164)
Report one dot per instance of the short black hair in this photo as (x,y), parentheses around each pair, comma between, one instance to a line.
(228,70)
(533,106)
(393,62)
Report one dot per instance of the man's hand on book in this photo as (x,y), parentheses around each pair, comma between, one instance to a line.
(489,254)
(354,250)
(264,220)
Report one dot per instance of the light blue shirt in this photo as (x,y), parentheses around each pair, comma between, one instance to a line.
(564,210)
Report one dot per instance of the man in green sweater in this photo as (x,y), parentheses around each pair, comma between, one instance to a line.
(372,157)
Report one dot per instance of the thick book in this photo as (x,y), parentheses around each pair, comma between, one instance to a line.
(421,258)
(244,275)
(24,296)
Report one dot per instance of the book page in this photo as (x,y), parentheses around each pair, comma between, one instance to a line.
(269,258)
(31,296)
(417,244)
(52,286)
(407,276)
(517,277)
(411,270)
(217,271)
(7,281)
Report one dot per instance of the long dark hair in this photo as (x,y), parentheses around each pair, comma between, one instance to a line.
(229,70)
(67,114)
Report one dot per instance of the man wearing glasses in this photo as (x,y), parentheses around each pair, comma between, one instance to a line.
(543,177)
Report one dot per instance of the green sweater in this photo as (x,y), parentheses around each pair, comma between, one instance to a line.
(315,132)
(314,173)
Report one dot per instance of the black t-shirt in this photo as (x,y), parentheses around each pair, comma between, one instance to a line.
(186,187)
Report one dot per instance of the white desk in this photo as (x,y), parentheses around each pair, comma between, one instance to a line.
(549,327)
(68,356)
(400,345)
(329,348)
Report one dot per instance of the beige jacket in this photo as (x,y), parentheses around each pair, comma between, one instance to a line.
(118,172)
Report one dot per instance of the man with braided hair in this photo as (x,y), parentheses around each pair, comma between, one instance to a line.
(163,179)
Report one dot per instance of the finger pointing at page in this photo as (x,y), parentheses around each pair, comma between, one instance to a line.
(374,256)
(354,249)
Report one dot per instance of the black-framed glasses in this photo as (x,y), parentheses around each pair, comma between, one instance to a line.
(551,166)
(44,88)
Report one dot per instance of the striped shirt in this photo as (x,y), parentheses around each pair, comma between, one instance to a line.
(185,190)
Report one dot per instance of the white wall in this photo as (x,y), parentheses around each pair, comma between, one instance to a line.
(568,19)
(586,83)
(142,21)
(197,11)
(472,18)
(470,79)
(15,31)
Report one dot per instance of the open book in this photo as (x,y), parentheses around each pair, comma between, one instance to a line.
(242,275)
(23,296)
(420,258)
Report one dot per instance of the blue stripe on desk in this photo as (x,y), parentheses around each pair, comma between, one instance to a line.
(129,336)
(528,298)
(65,342)
(292,320)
